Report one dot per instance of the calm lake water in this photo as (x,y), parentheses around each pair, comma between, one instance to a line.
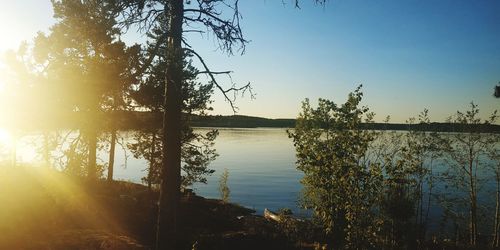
(260,161)
(261,165)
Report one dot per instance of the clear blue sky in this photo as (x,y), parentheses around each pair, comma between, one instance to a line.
(409,55)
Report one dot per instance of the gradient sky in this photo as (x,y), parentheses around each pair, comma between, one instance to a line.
(409,55)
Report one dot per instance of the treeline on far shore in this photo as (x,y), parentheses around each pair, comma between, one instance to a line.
(241,121)
(149,120)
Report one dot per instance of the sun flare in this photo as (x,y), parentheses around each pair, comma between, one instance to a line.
(5,138)
(3,79)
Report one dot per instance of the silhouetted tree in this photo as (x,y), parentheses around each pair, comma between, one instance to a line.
(29,100)
(196,152)
(212,15)
(86,59)
(222,19)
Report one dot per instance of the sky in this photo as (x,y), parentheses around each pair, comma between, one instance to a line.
(409,55)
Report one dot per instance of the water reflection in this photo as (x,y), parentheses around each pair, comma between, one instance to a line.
(17,148)
(261,164)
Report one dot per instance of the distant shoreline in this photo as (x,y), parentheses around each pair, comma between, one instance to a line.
(126,120)
(240,121)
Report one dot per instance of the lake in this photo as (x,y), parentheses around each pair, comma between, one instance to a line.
(261,165)
(260,161)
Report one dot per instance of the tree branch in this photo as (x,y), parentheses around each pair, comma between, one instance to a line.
(227,31)
(225,92)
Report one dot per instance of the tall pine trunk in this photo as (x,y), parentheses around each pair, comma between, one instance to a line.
(92,165)
(111,161)
(171,165)
(152,159)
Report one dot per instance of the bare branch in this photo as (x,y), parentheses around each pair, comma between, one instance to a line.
(235,90)
(194,31)
(297,5)
(227,30)
(215,72)
(143,13)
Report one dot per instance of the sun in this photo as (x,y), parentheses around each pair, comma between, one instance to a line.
(5,138)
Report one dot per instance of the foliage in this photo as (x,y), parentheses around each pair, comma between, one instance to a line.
(220,18)
(494,155)
(375,189)
(341,191)
(467,160)
(86,70)
(197,148)
(197,153)
(298,230)
(85,57)
(411,174)
(223,186)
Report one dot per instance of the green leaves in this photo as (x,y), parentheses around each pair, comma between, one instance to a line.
(224,187)
(330,145)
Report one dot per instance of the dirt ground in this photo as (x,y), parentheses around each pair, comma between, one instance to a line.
(44,209)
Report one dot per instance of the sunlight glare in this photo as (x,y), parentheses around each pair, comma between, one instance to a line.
(3,77)
(5,138)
